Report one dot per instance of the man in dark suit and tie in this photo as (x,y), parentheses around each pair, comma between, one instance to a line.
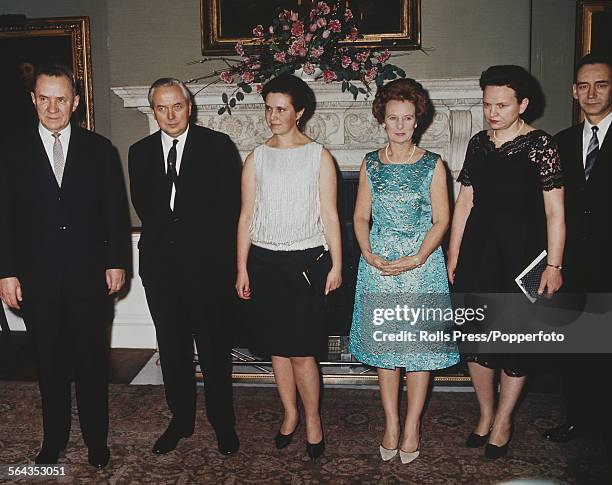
(586,157)
(185,187)
(64,249)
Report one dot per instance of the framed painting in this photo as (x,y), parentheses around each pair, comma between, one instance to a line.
(225,22)
(25,44)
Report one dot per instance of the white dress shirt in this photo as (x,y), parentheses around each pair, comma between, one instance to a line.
(180,146)
(587,134)
(47,139)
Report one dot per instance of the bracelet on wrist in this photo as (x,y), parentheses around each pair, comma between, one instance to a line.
(554,266)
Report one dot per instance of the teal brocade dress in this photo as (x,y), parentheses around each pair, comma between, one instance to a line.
(401,215)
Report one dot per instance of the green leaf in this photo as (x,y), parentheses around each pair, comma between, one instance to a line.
(344,86)
(232,102)
(354,91)
(224,98)
(221,110)
(240,96)
(362,90)
(247,88)
(401,72)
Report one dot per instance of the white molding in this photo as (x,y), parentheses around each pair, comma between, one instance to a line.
(345,126)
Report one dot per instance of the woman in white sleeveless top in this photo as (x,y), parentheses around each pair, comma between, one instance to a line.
(287,234)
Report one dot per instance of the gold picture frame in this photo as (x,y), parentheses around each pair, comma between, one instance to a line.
(25,43)
(396,27)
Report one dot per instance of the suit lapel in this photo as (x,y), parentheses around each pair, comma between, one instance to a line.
(188,160)
(41,160)
(72,155)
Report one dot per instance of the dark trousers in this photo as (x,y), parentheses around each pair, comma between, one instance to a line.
(178,320)
(584,381)
(70,340)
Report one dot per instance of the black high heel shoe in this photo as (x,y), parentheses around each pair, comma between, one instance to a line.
(477,440)
(316,450)
(284,440)
(493,452)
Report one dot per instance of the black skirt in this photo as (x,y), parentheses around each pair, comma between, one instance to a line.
(287,302)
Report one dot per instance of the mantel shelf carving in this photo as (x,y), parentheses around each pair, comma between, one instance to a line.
(344,126)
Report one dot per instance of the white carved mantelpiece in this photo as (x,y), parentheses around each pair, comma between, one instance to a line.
(346,127)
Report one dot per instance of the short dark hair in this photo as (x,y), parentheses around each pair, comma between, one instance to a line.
(592,58)
(302,97)
(55,69)
(514,77)
(405,89)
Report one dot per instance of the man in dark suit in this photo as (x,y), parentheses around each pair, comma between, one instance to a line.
(586,158)
(185,187)
(64,248)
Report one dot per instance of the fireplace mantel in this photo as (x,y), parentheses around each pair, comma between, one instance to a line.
(346,127)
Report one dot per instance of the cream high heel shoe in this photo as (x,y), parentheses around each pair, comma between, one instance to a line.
(408,456)
(386,454)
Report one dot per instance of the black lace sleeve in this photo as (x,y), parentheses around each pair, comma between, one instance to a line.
(472,148)
(545,155)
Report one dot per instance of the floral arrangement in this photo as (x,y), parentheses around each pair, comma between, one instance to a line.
(318,42)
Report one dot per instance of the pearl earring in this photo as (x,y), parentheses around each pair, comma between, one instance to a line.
(384,125)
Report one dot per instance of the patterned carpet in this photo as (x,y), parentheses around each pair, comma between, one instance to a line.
(353,426)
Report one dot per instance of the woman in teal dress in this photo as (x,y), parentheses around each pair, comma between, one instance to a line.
(402,188)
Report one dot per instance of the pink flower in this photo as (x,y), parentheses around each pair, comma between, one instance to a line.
(321,22)
(355,66)
(309,68)
(239,49)
(335,26)
(258,88)
(384,56)
(294,16)
(308,37)
(313,28)
(362,56)
(329,75)
(346,61)
(326,33)
(280,56)
(227,77)
(353,34)
(323,8)
(297,48)
(297,29)
(258,31)
(348,15)
(317,52)
(370,74)
(247,77)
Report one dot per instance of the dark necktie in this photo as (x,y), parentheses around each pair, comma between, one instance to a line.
(592,153)
(172,175)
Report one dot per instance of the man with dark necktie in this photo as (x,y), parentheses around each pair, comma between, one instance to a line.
(185,187)
(586,157)
(64,249)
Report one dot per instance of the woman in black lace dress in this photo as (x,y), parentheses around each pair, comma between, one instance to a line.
(509,208)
